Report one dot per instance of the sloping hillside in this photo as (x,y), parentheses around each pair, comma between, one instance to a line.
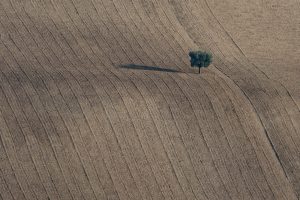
(98,101)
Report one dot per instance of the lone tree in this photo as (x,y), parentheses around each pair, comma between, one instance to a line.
(200,59)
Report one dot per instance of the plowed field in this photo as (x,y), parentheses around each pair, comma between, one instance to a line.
(98,100)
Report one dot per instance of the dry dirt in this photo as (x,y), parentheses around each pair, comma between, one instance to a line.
(98,101)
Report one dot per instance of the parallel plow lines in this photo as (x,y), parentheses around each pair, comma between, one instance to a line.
(76,125)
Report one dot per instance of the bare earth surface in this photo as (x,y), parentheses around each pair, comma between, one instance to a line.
(98,101)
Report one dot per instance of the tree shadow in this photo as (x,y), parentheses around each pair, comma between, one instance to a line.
(149,68)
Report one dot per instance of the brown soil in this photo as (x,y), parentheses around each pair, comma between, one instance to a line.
(98,101)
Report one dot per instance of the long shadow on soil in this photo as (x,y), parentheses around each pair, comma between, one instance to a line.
(149,68)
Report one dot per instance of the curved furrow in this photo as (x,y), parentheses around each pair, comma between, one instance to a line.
(229,134)
(9,185)
(267,158)
(171,111)
(46,79)
(236,127)
(21,184)
(42,137)
(147,133)
(5,193)
(208,114)
(167,130)
(121,140)
(24,157)
(289,154)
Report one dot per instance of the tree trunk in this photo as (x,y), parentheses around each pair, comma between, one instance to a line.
(199,70)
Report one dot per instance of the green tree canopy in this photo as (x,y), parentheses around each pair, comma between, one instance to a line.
(200,58)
